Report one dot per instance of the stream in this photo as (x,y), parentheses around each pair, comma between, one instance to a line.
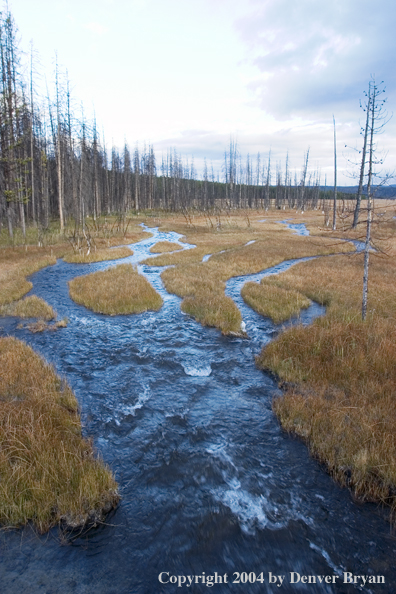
(209,481)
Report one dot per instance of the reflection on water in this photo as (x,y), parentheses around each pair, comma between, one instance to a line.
(209,481)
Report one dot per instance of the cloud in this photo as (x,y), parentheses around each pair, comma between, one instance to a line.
(315,58)
(96,28)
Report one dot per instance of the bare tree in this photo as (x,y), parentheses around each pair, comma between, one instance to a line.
(363,162)
(59,150)
(377,120)
(335,177)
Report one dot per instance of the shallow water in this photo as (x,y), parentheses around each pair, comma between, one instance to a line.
(298,228)
(209,481)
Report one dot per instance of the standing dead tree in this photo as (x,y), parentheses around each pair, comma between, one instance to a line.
(335,178)
(377,118)
(367,108)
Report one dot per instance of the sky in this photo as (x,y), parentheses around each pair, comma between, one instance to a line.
(193,74)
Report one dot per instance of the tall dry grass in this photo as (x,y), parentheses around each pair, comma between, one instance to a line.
(15,266)
(272,301)
(30,307)
(117,290)
(99,255)
(49,474)
(201,285)
(340,372)
(18,262)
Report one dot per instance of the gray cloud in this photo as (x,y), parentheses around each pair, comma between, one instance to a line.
(316,57)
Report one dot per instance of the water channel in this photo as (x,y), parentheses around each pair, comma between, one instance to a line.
(209,481)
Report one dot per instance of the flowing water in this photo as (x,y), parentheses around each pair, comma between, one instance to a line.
(209,481)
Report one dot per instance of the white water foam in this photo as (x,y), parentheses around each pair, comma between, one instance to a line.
(258,511)
(197,370)
(142,398)
(326,556)
(218,451)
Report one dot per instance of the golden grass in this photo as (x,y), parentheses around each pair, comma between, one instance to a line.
(30,307)
(117,290)
(49,474)
(340,372)
(273,302)
(99,255)
(105,231)
(165,246)
(215,310)
(15,265)
(202,285)
(42,326)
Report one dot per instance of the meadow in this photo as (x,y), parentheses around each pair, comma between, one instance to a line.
(338,375)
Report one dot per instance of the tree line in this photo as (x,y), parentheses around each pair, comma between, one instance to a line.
(54,164)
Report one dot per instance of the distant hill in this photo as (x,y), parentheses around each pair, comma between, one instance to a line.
(382,192)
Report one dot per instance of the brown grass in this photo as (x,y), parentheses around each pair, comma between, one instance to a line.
(43,326)
(165,246)
(15,265)
(272,301)
(99,255)
(202,284)
(215,310)
(49,474)
(30,307)
(340,372)
(117,290)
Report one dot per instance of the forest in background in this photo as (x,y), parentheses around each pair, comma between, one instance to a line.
(55,164)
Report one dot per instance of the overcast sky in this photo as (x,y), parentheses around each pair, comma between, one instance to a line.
(191,73)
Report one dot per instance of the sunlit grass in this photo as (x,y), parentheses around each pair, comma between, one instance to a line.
(117,290)
(49,474)
(214,310)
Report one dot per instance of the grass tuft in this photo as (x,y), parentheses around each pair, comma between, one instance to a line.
(30,307)
(218,311)
(165,246)
(99,255)
(49,474)
(117,290)
(273,302)
(42,326)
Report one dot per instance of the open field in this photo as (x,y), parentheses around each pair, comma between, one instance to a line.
(49,473)
(117,290)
